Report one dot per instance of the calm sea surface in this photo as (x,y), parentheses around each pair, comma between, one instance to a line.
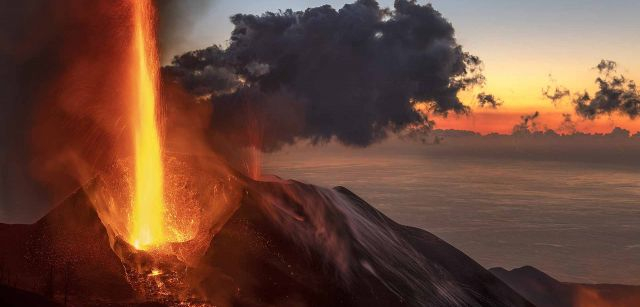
(577,222)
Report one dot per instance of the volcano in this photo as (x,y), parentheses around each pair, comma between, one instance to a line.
(286,244)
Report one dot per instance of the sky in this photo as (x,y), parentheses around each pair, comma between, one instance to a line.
(525,46)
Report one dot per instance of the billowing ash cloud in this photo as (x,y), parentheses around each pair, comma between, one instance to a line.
(615,94)
(488,100)
(353,74)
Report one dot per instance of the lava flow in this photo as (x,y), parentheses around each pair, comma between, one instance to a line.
(146,224)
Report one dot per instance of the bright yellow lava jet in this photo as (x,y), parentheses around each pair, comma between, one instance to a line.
(147,220)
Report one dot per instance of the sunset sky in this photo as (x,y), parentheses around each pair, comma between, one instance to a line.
(522,44)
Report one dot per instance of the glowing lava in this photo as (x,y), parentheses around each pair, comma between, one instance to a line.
(147,220)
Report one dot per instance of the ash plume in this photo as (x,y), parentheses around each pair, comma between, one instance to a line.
(352,74)
(615,94)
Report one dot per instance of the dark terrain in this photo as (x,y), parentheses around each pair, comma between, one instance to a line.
(287,244)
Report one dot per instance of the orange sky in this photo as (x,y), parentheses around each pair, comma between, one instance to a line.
(501,121)
(520,89)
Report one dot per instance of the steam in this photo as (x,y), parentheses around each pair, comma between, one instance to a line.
(352,74)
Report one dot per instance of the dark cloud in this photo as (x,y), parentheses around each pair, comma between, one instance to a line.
(615,94)
(488,100)
(353,74)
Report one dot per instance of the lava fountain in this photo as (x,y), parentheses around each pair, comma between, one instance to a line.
(147,217)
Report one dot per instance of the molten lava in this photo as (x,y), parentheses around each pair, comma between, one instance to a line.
(147,220)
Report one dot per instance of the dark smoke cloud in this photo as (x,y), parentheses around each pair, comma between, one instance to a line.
(488,100)
(176,19)
(615,94)
(353,74)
